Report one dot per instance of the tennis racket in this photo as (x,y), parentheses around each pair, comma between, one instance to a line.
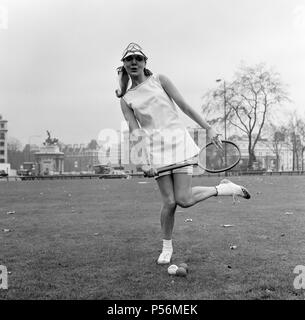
(212,158)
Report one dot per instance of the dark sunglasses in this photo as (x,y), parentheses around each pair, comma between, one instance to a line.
(136,56)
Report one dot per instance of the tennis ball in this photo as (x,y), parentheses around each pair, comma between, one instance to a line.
(172,269)
(184,265)
(181,272)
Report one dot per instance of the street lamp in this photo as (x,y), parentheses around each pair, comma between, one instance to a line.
(225,116)
(224,107)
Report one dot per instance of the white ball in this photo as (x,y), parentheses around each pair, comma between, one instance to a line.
(172,269)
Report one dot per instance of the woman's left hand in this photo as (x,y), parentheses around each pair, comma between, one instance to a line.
(149,171)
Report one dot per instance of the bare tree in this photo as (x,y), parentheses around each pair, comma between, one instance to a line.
(93,145)
(13,144)
(15,155)
(301,132)
(302,135)
(296,130)
(249,100)
(277,134)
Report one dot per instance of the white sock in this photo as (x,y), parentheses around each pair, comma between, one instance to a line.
(167,245)
(223,190)
(227,188)
(166,254)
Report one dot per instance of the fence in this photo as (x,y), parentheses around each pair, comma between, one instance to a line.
(256,173)
(140,175)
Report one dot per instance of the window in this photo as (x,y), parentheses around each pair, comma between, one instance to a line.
(2,152)
(1,160)
(2,125)
(1,144)
(2,136)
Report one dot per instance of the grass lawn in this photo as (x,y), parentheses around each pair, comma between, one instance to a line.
(99,239)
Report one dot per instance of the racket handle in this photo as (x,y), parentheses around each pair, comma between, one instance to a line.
(146,176)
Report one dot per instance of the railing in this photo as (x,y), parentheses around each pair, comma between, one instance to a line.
(63,177)
(140,175)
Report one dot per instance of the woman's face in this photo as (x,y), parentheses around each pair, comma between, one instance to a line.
(134,65)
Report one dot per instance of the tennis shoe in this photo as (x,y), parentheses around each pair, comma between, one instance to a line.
(228,188)
(165,257)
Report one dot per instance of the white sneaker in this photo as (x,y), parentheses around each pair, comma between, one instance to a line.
(165,257)
(228,188)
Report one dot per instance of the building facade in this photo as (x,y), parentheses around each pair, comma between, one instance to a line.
(266,157)
(80,159)
(3,140)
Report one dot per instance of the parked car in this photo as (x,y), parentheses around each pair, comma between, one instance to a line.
(3,173)
(114,175)
(24,172)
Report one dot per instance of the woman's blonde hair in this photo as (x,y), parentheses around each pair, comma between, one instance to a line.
(123,79)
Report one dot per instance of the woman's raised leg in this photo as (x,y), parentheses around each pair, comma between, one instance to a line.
(186,195)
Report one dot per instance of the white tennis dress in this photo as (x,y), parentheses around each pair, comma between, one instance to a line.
(157,115)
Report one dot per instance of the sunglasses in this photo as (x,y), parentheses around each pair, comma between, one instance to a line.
(136,56)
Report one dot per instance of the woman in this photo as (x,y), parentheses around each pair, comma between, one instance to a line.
(148,105)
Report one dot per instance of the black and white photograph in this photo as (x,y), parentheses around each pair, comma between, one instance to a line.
(152,151)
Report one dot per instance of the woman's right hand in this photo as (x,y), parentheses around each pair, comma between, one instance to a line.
(214,137)
(122,79)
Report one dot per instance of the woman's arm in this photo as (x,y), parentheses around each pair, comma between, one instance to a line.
(173,92)
(129,117)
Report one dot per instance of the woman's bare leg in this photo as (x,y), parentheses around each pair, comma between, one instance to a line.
(167,217)
(186,195)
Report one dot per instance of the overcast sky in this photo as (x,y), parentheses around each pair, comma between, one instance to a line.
(58,57)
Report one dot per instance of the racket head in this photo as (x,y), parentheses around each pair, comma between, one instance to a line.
(213,159)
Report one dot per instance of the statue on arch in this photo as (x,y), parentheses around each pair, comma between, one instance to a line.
(49,141)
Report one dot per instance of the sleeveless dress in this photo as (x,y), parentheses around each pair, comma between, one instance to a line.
(169,141)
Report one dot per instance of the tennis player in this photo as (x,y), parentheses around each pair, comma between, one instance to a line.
(147,102)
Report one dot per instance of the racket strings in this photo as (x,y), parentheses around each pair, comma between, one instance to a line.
(213,158)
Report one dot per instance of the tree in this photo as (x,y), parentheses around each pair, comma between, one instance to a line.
(277,134)
(249,100)
(296,132)
(13,144)
(28,153)
(93,145)
(302,136)
(14,153)
(301,132)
